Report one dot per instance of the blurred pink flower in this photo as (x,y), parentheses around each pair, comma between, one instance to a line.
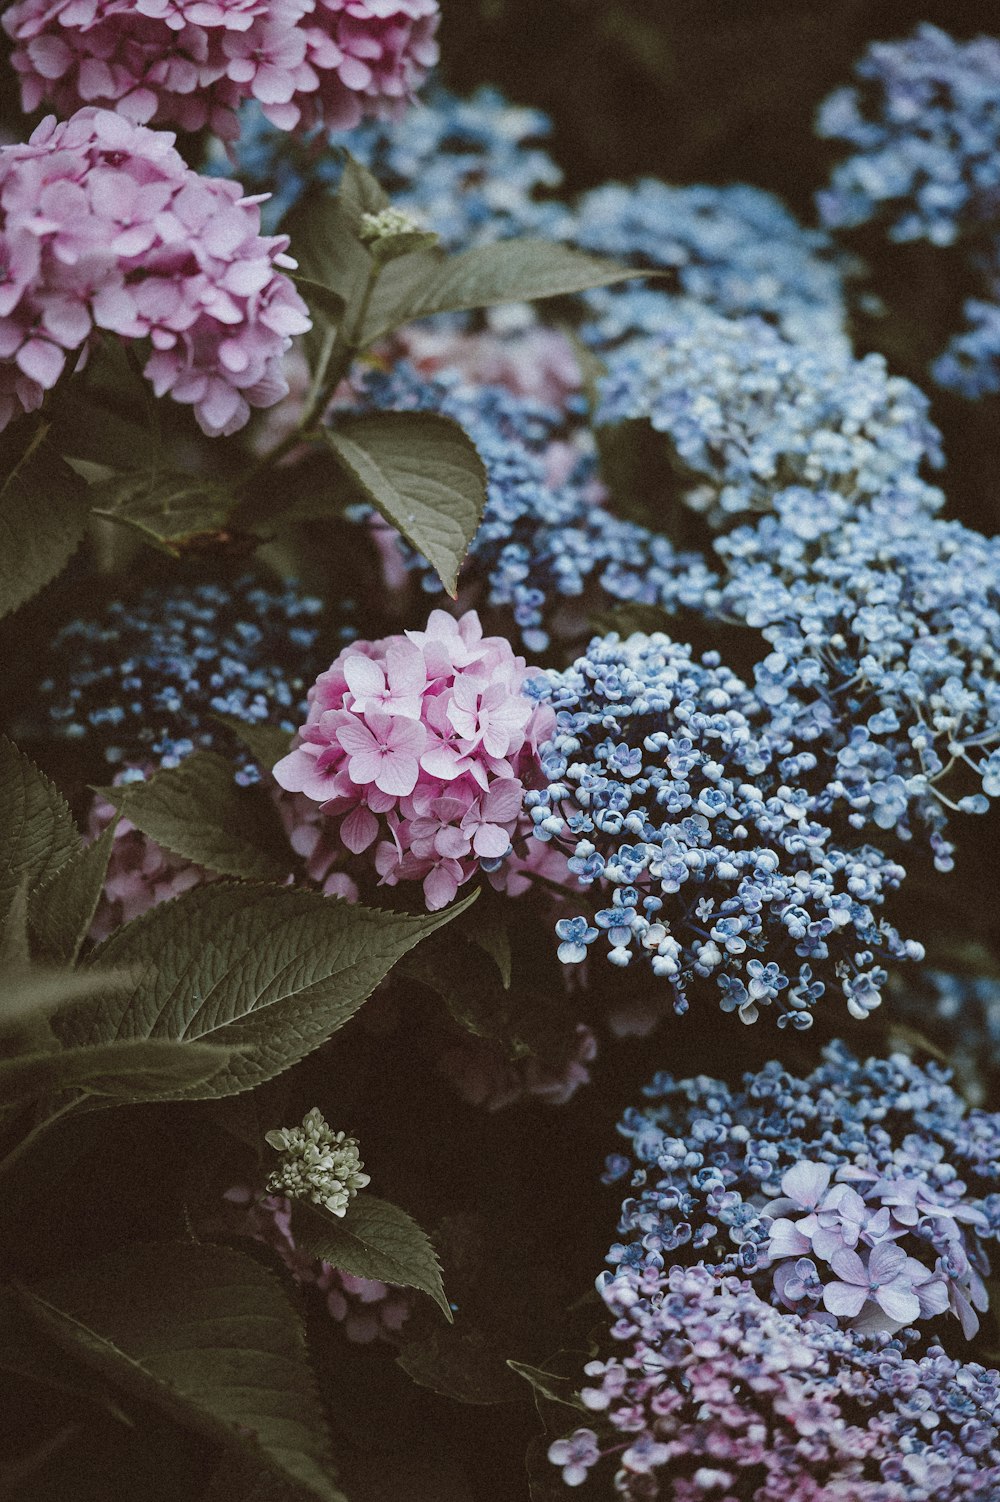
(191,63)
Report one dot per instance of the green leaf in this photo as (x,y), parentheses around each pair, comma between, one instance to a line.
(462,1364)
(267,744)
(324,303)
(360,192)
(510,271)
(42,521)
(325,244)
(487,927)
(199,812)
(37,833)
(423,474)
(138,1069)
(266,969)
(33,993)
(172,512)
(207,1335)
(391,247)
(469,987)
(62,910)
(373,1240)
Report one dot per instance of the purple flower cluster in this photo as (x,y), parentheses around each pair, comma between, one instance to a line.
(750,1372)
(103,226)
(191,63)
(716,1393)
(670,795)
(864,1191)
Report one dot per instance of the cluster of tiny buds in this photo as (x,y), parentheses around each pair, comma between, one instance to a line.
(317,1164)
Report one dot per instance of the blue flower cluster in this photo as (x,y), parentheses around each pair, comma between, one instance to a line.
(857,1152)
(547,550)
(471,170)
(885,629)
(924,125)
(749,414)
(734,249)
(668,792)
(141,683)
(924,120)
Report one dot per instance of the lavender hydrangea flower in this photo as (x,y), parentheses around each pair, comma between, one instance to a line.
(669,795)
(880,1225)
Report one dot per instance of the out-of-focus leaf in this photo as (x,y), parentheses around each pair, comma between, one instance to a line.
(62,909)
(173,512)
(207,1335)
(461,1364)
(43,516)
(37,833)
(134,1069)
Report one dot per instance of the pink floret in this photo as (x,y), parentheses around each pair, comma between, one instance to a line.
(417,749)
(104,226)
(191,63)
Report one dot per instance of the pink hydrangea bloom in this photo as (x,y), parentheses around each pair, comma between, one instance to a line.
(419,746)
(104,226)
(368,1309)
(140,872)
(191,63)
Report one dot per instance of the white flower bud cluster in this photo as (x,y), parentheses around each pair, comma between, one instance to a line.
(317,1164)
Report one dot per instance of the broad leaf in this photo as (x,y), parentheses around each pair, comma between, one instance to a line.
(37,833)
(373,1240)
(172,512)
(462,1364)
(207,1335)
(62,910)
(548,1385)
(360,192)
(199,812)
(34,993)
(510,271)
(325,244)
(423,474)
(271,971)
(43,516)
(267,744)
(142,1069)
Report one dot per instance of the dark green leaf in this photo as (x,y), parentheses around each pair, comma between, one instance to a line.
(266,743)
(468,985)
(170,511)
(199,812)
(487,927)
(25,994)
(37,833)
(325,244)
(43,516)
(62,910)
(209,1336)
(360,192)
(462,1364)
(136,1069)
(323,302)
(391,247)
(373,1240)
(269,970)
(510,271)
(15,945)
(423,474)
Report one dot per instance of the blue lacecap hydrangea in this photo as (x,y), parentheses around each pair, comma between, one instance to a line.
(699,841)
(141,682)
(471,170)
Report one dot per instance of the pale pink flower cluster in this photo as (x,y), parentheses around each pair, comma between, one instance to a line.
(536,362)
(419,746)
(368,1309)
(140,872)
(104,226)
(191,63)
